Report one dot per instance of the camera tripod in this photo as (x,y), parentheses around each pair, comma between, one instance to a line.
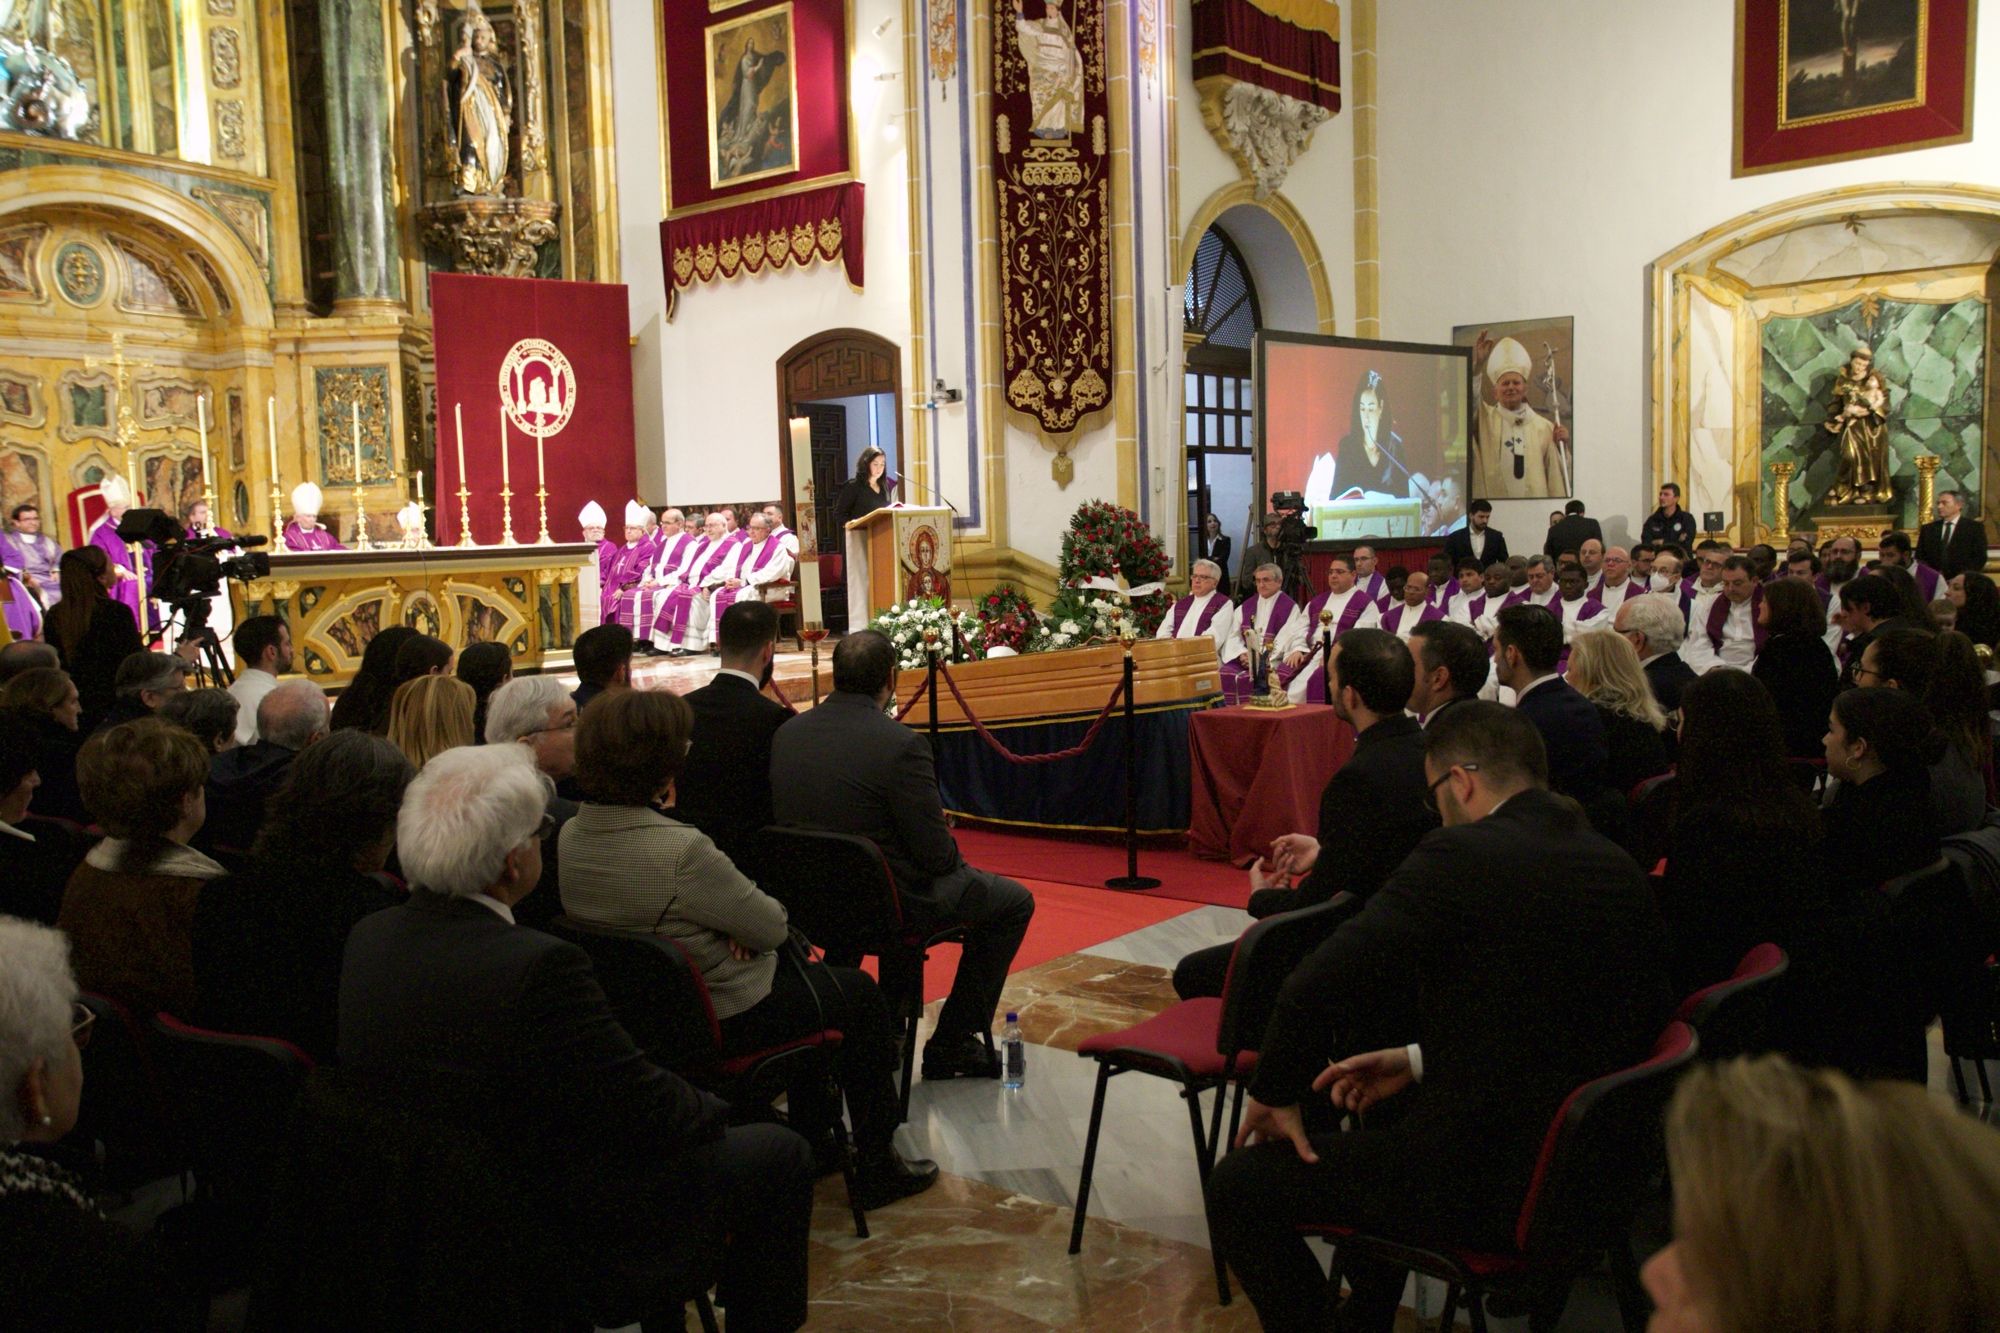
(211,663)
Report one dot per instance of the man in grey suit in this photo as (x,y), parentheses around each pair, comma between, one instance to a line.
(847,768)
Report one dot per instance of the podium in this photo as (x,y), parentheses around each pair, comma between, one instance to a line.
(894,554)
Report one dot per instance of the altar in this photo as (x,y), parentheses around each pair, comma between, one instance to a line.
(534,599)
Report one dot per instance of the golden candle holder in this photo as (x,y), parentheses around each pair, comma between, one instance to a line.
(507,516)
(1781,504)
(361,542)
(542,496)
(812,634)
(464,515)
(1927,470)
(277,515)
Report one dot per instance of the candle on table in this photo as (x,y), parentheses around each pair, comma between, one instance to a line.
(271,429)
(420,485)
(458,419)
(357,442)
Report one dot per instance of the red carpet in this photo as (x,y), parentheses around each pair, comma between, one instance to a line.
(1067,920)
(1088,864)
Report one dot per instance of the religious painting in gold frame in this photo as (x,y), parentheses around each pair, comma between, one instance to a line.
(753,104)
(1822,81)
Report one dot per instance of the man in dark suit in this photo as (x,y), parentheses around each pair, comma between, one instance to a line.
(1956,542)
(1571,532)
(240,780)
(1452,665)
(603,657)
(1477,540)
(1525,956)
(847,768)
(1527,646)
(1653,626)
(1371,812)
(1214,545)
(725,789)
(446,997)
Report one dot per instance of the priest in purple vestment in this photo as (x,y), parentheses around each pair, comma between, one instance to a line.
(304,533)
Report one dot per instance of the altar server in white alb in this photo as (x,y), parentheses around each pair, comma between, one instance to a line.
(1352,606)
(1205,610)
(760,563)
(1269,614)
(1515,453)
(1727,632)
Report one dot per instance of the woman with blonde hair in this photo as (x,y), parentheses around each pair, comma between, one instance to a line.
(431,714)
(1803,1200)
(1604,668)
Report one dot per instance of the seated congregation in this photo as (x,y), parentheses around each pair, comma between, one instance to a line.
(1629,878)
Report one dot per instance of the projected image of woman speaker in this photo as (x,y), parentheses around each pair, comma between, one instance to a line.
(1373,434)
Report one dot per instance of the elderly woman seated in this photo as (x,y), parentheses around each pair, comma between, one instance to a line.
(62,1265)
(129,906)
(629,867)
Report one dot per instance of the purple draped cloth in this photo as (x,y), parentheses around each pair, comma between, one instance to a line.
(319,539)
(753,560)
(635,606)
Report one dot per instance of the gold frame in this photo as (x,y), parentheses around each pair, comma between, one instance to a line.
(711,38)
(1785,122)
(1738,170)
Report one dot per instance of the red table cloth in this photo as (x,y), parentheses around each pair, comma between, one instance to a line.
(1259,773)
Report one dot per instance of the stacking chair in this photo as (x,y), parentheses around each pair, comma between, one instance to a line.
(1209,1043)
(229,1098)
(1603,1150)
(662,999)
(839,890)
(123,1124)
(1733,1016)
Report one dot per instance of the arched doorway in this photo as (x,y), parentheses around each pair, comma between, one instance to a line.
(1220,314)
(849,384)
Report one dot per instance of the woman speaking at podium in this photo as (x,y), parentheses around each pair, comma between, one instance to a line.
(867,491)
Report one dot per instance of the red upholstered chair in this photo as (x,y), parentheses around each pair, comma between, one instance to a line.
(838,889)
(1209,1043)
(662,999)
(1733,1016)
(784,599)
(1603,1149)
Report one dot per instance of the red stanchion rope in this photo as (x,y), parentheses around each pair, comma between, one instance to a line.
(1089,737)
(905,710)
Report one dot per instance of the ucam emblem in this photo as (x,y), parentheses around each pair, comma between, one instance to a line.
(537,388)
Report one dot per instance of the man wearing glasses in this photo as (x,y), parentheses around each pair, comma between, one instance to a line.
(1491,996)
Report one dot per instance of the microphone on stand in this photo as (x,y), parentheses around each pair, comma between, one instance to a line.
(932,491)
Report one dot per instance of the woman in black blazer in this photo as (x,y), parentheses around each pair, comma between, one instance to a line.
(869,489)
(1796,665)
(1214,546)
(90,631)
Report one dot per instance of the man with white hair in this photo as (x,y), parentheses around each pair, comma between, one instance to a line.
(1205,610)
(304,533)
(759,561)
(145,680)
(291,716)
(1653,626)
(507,1029)
(682,624)
(1516,453)
(538,713)
(1268,614)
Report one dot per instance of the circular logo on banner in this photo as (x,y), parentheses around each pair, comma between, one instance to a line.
(537,388)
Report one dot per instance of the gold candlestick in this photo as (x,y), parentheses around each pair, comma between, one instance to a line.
(507,516)
(1927,470)
(361,542)
(277,515)
(464,495)
(542,496)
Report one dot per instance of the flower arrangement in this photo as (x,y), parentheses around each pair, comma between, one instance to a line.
(1078,618)
(906,623)
(1007,619)
(1106,541)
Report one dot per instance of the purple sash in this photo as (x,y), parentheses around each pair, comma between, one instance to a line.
(673,618)
(670,560)
(1282,607)
(1591,607)
(1928,580)
(1349,618)
(1718,618)
(726,597)
(319,539)
(1392,619)
(1216,601)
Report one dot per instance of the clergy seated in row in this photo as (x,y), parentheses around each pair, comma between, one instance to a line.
(1537,589)
(1206,610)
(628,588)
(304,533)
(1352,606)
(761,563)
(1402,618)
(1616,585)
(1706,583)
(1576,606)
(1480,592)
(1727,629)
(683,622)
(1368,577)
(1269,617)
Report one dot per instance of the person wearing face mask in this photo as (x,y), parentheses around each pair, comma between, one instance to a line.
(1665,575)
(1517,453)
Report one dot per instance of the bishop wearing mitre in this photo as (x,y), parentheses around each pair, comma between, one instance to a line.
(304,533)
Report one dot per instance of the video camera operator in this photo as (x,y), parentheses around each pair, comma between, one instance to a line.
(188,576)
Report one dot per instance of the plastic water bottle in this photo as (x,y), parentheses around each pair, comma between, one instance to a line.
(1014,1050)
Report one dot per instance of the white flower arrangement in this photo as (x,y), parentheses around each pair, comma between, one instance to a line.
(905,624)
(1090,619)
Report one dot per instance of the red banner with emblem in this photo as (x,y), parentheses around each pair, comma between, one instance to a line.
(556,359)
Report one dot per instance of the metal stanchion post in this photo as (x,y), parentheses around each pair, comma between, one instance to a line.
(1131,879)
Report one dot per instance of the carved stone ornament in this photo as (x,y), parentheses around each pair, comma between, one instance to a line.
(1264,131)
(494,237)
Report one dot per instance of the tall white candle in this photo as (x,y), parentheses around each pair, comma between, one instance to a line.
(458,420)
(201,419)
(357,442)
(506,474)
(420,485)
(271,429)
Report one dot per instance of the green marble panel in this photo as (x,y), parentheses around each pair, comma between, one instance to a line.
(1932,355)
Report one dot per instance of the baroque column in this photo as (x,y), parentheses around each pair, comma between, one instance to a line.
(353,46)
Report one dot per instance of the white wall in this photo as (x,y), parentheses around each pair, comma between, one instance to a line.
(1535,166)
(705,386)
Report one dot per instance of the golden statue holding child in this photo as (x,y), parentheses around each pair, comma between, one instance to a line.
(1859,417)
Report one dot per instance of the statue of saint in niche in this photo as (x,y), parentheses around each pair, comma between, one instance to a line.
(1859,417)
(482,116)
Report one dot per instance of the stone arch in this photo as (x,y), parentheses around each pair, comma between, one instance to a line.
(1705,414)
(1279,248)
